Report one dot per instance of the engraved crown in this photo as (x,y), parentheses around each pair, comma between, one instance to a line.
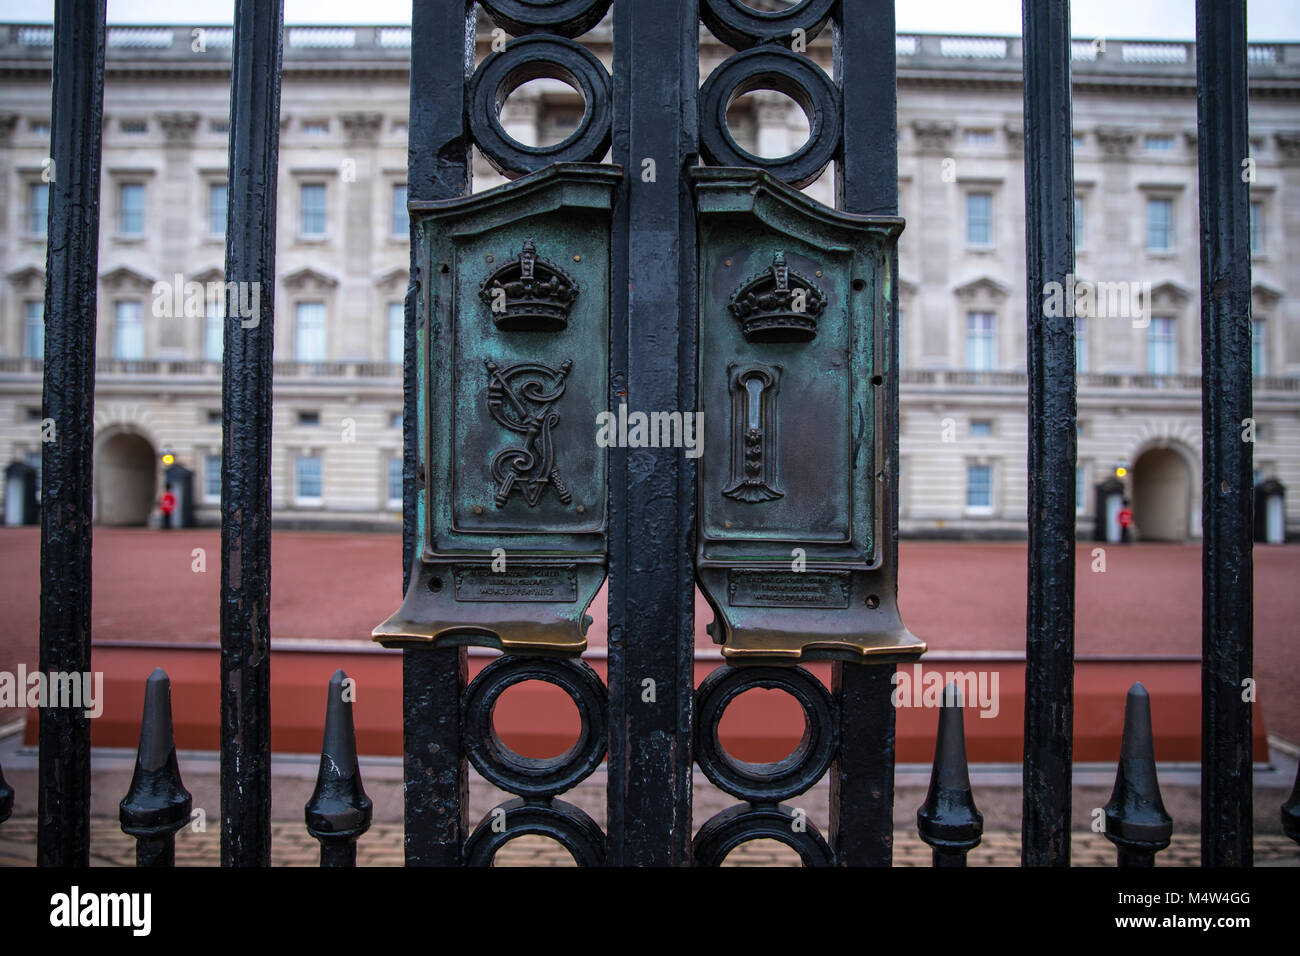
(778,305)
(529,293)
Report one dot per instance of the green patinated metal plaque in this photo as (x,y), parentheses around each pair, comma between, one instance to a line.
(792,297)
(514,369)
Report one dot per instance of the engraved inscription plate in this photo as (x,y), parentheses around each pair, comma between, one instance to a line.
(788,589)
(536,583)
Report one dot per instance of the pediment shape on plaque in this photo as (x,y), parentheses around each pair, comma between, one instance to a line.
(309,280)
(984,286)
(124,278)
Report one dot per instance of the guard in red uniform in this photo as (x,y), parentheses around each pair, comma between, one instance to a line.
(1125,519)
(167,505)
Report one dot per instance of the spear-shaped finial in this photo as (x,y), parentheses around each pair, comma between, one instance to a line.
(157,805)
(949,820)
(1290,810)
(6,798)
(339,810)
(1136,821)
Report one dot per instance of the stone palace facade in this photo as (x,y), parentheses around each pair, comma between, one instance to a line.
(343,251)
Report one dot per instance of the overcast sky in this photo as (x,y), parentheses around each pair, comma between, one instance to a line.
(1122,19)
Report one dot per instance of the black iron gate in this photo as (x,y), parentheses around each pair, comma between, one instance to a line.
(652,108)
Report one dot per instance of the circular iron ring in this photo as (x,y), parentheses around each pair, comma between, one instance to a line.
(531,58)
(765,782)
(562,822)
(725,831)
(567,18)
(795,75)
(740,26)
(534,776)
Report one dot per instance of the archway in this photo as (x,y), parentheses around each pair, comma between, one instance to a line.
(1162,489)
(126,480)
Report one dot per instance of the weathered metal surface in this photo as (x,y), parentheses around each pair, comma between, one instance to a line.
(535,777)
(562,822)
(651,490)
(514,379)
(68,405)
(568,18)
(862,778)
(792,298)
(157,804)
(949,820)
(1049,257)
(339,810)
(1136,821)
(741,26)
(782,779)
(725,831)
(530,58)
(6,798)
(246,438)
(436,791)
(1227,461)
(784,71)
(1290,809)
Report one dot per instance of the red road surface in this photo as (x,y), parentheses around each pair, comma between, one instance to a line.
(958,596)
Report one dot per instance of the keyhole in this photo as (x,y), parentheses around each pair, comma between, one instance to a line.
(754,387)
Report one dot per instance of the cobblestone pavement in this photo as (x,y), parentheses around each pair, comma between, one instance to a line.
(382,846)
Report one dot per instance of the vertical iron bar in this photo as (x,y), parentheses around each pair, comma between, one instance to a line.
(862,778)
(246,437)
(1227,460)
(949,820)
(651,493)
(1049,254)
(68,402)
(436,792)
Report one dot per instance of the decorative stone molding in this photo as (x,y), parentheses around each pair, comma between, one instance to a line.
(393,281)
(933,136)
(1265,295)
(1015,133)
(178,128)
(8,123)
(1288,143)
(1116,141)
(308,280)
(126,279)
(28,279)
(983,286)
(362,127)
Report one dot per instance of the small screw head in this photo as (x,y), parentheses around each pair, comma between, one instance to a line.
(478,509)
(490,258)
(819,273)
(577,258)
(727,262)
(581,509)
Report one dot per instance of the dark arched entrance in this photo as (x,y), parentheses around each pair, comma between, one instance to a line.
(1162,496)
(126,480)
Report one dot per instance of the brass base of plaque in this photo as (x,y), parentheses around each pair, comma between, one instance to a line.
(533,607)
(766,615)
